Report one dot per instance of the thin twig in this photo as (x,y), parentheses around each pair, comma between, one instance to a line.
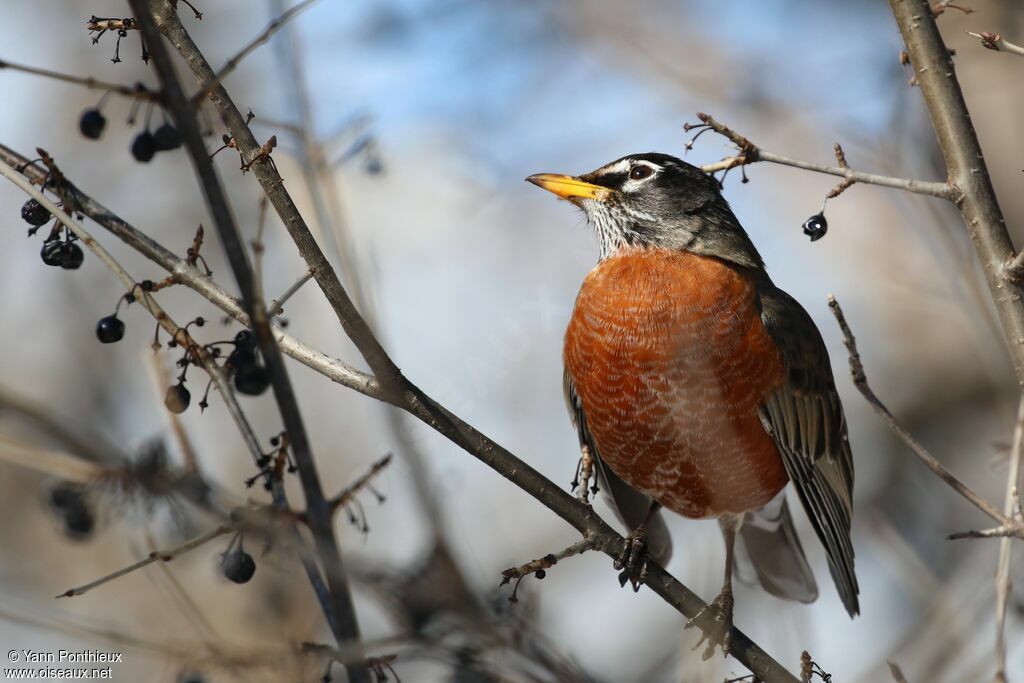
(263,37)
(860,380)
(540,566)
(138,91)
(157,556)
(350,491)
(276,306)
(994,41)
(751,153)
(1011,508)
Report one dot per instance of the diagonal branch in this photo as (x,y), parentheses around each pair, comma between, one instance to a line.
(750,153)
(974,195)
(232,64)
(317,511)
(860,380)
(994,41)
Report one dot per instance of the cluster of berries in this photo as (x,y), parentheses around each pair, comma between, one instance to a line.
(60,253)
(145,145)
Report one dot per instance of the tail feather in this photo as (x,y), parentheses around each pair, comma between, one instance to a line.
(772,550)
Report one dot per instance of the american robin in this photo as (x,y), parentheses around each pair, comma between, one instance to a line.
(698,385)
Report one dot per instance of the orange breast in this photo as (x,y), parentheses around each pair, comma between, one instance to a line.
(671,361)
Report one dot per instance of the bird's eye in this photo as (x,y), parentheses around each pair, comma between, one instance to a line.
(640,172)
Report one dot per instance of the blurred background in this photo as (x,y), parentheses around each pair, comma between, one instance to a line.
(405,130)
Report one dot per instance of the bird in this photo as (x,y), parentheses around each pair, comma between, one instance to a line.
(698,386)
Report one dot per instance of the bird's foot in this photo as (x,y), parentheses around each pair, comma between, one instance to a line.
(632,562)
(715,623)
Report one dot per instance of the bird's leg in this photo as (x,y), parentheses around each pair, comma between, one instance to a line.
(632,562)
(715,620)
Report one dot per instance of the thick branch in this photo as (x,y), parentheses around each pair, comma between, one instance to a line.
(975,197)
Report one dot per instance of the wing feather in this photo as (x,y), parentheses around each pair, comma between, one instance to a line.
(805,418)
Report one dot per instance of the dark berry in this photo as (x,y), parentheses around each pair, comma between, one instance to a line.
(238,566)
(177,398)
(143,146)
(166,138)
(816,226)
(71,256)
(245,340)
(540,573)
(110,329)
(91,124)
(34,213)
(52,252)
(65,495)
(73,509)
(78,521)
(241,357)
(251,379)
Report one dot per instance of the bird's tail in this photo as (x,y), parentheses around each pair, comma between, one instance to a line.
(771,554)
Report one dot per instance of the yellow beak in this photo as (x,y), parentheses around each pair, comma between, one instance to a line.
(567,187)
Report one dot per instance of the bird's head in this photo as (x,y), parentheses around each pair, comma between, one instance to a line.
(655,200)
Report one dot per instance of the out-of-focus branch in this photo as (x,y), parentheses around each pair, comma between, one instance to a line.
(263,37)
(860,380)
(750,153)
(974,195)
(1011,508)
(318,514)
(350,491)
(138,91)
(994,41)
(155,556)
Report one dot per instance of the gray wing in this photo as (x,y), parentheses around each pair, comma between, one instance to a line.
(805,418)
(629,504)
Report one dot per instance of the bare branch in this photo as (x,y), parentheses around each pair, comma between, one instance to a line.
(860,380)
(1011,508)
(973,194)
(319,518)
(359,484)
(994,41)
(263,37)
(540,566)
(276,306)
(138,91)
(750,153)
(156,556)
